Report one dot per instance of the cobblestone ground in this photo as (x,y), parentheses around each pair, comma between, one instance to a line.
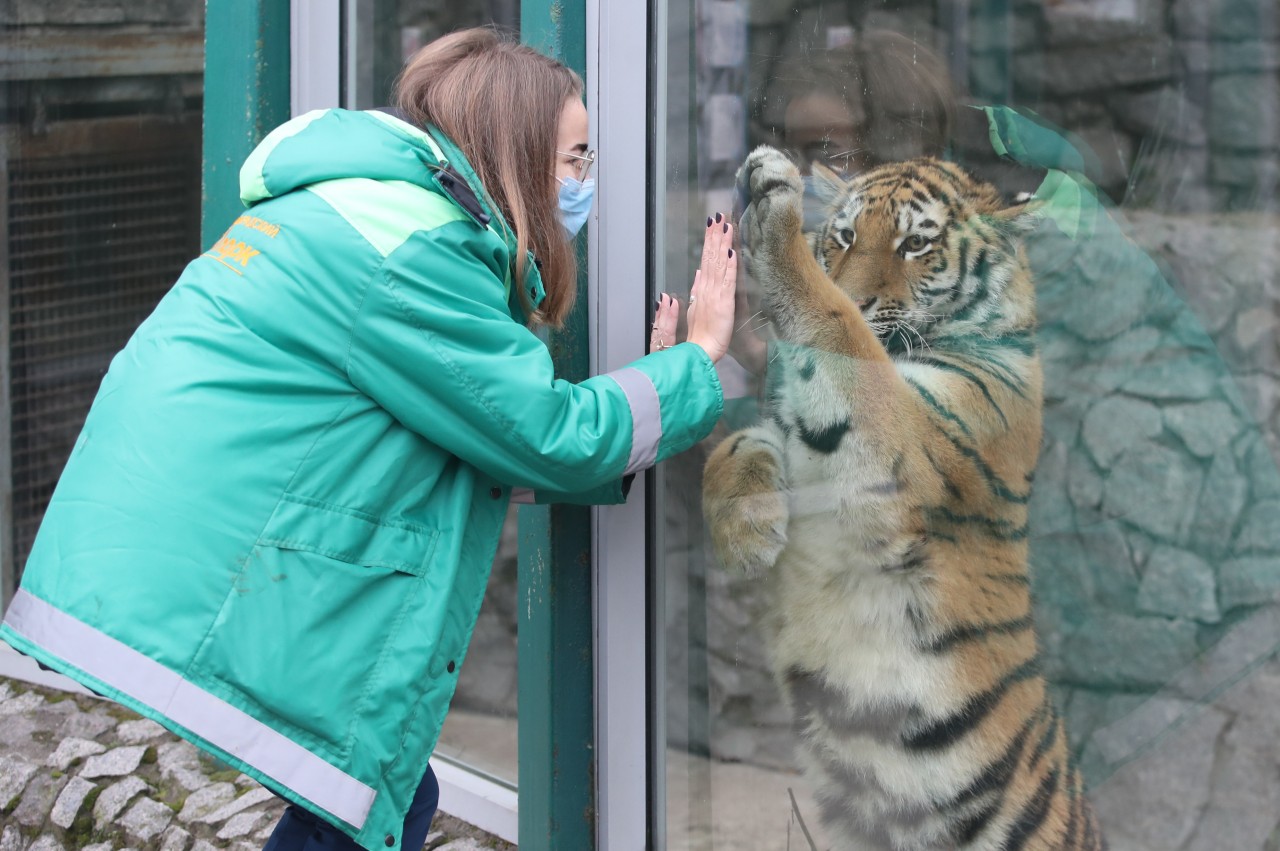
(78,772)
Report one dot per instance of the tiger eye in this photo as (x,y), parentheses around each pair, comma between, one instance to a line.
(914,242)
(847,236)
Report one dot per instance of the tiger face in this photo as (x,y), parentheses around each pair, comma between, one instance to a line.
(922,247)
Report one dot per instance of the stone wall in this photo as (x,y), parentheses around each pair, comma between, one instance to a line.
(81,773)
(1157,546)
(1179,100)
(78,772)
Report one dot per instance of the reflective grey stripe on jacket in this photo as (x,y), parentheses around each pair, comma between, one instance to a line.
(646,417)
(208,716)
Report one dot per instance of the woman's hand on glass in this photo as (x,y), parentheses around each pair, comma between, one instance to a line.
(711,300)
(663,334)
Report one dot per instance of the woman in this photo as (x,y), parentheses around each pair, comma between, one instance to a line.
(274,532)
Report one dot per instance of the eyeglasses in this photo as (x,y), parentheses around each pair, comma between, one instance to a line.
(582,167)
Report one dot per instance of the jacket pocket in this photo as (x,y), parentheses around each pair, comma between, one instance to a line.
(313,617)
(345,534)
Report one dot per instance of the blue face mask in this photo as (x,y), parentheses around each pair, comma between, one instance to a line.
(575,203)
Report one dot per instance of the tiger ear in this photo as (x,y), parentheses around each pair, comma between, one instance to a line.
(827,185)
(1021,217)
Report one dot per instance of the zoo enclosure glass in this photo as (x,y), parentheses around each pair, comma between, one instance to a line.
(1150,131)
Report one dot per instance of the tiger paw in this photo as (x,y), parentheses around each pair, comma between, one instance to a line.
(745,504)
(769,184)
(748,533)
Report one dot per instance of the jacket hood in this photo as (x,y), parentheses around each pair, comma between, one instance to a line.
(333,144)
(330,144)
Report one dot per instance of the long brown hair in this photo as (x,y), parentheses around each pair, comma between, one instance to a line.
(897,90)
(500,103)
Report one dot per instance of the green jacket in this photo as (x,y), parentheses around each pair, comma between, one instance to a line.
(274,532)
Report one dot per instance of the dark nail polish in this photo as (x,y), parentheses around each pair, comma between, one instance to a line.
(726,227)
(730,253)
(708,221)
(717,217)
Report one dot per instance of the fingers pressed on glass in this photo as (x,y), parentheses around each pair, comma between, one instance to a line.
(709,242)
(668,320)
(731,260)
(670,317)
(725,255)
(714,244)
(694,292)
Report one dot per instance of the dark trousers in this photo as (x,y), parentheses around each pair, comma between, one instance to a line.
(299,830)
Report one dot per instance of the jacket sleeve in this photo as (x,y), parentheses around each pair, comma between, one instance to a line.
(611,493)
(434,344)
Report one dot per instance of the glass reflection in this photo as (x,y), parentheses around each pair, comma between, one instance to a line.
(868,678)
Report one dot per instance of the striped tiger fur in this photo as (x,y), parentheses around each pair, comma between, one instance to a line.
(884,502)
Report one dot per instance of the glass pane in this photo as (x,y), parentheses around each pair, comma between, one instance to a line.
(480,731)
(100,197)
(380,35)
(871,619)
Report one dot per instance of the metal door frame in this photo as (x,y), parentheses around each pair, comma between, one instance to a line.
(619,239)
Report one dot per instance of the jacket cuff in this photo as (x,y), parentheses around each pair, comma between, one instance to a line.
(612,493)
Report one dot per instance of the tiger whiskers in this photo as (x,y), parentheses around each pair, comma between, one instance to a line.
(898,328)
(764,323)
(924,344)
(748,321)
(907,331)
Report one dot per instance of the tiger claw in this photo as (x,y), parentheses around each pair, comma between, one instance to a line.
(752,558)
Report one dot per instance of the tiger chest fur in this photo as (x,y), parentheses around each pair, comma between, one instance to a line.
(884,503)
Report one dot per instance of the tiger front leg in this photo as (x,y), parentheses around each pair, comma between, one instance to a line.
(744,500)
(804,304)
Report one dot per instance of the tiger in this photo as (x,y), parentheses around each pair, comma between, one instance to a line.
(883,503)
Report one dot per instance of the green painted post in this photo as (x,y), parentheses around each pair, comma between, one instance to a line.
(246,95)
(556,677)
